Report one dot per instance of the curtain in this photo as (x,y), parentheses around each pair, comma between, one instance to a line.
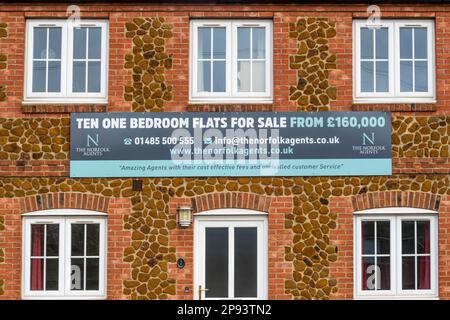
(423,272)
(37,265)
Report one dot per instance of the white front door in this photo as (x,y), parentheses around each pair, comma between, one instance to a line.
(230,256)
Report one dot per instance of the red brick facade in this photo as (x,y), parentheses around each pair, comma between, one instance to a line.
(420,180)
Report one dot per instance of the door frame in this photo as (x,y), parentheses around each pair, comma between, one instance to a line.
(227,216)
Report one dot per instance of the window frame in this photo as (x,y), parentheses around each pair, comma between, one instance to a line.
(231,94)
(396,216)
(64,221)
(394,95)
(66,95)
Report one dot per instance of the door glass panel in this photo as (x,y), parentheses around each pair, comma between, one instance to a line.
(51,274)
(77,239)
(245,262)
(216,262)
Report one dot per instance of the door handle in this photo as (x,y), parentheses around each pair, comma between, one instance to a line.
(200,291)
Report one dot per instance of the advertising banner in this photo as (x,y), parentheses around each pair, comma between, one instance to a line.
(191,144)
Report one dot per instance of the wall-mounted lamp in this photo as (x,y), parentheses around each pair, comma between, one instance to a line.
(184,216)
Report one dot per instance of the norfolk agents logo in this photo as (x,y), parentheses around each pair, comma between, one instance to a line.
(92,148)
(368,144)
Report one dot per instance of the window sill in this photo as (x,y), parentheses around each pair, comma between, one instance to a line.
(52,107)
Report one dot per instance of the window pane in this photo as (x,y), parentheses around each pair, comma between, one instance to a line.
(79,76)
(95,43)
(423,273)
(92,274)
(216,262)
(243,43)
(421,76)
(259,76)
(368,273)
(204,43)
(54,76)
(420,43)
(405,43)
(381,42)
(243,76)
(245,262)
(406,78)
(79,43)
(219,43)
(51,274)
(366,43)
(93,239)
(384,277)
(40,43)
(367,76)
(259,43)
(39,76)
(94,76)
(408,273)
(37,240)
(219,76)
(368,241)
(77,239)
(37,274)
(54,43)
(383,237)
(204,76)
(408,237)
(382,76)
(77,274)
(52,240)
(423,237)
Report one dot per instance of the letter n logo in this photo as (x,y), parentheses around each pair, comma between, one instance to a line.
(92,140)
(370,139)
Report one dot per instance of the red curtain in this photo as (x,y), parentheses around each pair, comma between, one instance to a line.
(37,265)
(424,261)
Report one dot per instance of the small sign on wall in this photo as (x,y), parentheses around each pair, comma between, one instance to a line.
(170,144)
